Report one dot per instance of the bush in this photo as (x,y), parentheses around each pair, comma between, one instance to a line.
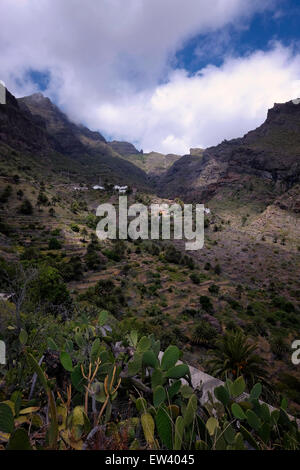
(206,304)
(75,228)
(92,260)
(283,304)
(214,289)
(92,221)
(5,229)
(30,254)
(195,278)
(49,288)
(217,269)
(73,270)
(6,193)
(26,208)
(42,199)
(117,252)
(204,334)
(54,244)
(278,347)
(172,255)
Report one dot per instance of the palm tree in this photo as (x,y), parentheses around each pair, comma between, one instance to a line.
(234,356)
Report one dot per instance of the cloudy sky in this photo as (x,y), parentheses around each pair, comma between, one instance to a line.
(166,75)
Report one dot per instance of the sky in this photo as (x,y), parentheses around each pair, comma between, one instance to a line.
(166,75)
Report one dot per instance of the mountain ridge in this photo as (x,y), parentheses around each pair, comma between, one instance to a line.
(35,127)
(270,153)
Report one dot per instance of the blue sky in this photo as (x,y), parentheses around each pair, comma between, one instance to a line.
(282,23)
(166,75)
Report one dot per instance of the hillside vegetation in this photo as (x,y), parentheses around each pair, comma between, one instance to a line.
(110,328)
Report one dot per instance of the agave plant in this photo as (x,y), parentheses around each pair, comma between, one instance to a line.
(235,356)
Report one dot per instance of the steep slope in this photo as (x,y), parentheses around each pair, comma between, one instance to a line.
(265,162)
(81,144)
(153,163)
(21,129)
(123,148)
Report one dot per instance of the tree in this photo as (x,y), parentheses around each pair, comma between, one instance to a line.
(92,258)
(49,288)
(54,244)
(206,304)
(26,208)
(235,356)
(73,270)
(6,193)
(42,199)
(20,194)
(217,269)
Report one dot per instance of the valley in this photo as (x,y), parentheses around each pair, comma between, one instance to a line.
(246,278)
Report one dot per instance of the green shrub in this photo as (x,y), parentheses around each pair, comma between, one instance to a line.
(75,228)
(217,269)
(204,334)
(6,194)
(195,278)
(206,304)
(54,244)
(278,347)
(214,289)
(26,208)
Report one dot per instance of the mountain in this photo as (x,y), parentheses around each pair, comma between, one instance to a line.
(21,130)
(152,163)
(263,164)
(69,138)
(123,148)
(196,151)
(33,127)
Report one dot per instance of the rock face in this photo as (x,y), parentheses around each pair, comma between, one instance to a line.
(70,138)
(196,152)
(270,154)
(35,125)
(123,148)
(21,130)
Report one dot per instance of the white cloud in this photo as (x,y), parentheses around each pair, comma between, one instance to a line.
(217,103)
(106,61)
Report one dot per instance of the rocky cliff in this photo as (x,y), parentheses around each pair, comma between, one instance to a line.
(269,155)
(34,127)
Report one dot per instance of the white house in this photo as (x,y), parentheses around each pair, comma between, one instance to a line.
(5,297)
(121,189)
(80,188)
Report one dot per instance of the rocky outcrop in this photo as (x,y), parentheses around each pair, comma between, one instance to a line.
(36,127)
(270,153)
(69,138)
(196,152)
(20,130)
(123,148)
